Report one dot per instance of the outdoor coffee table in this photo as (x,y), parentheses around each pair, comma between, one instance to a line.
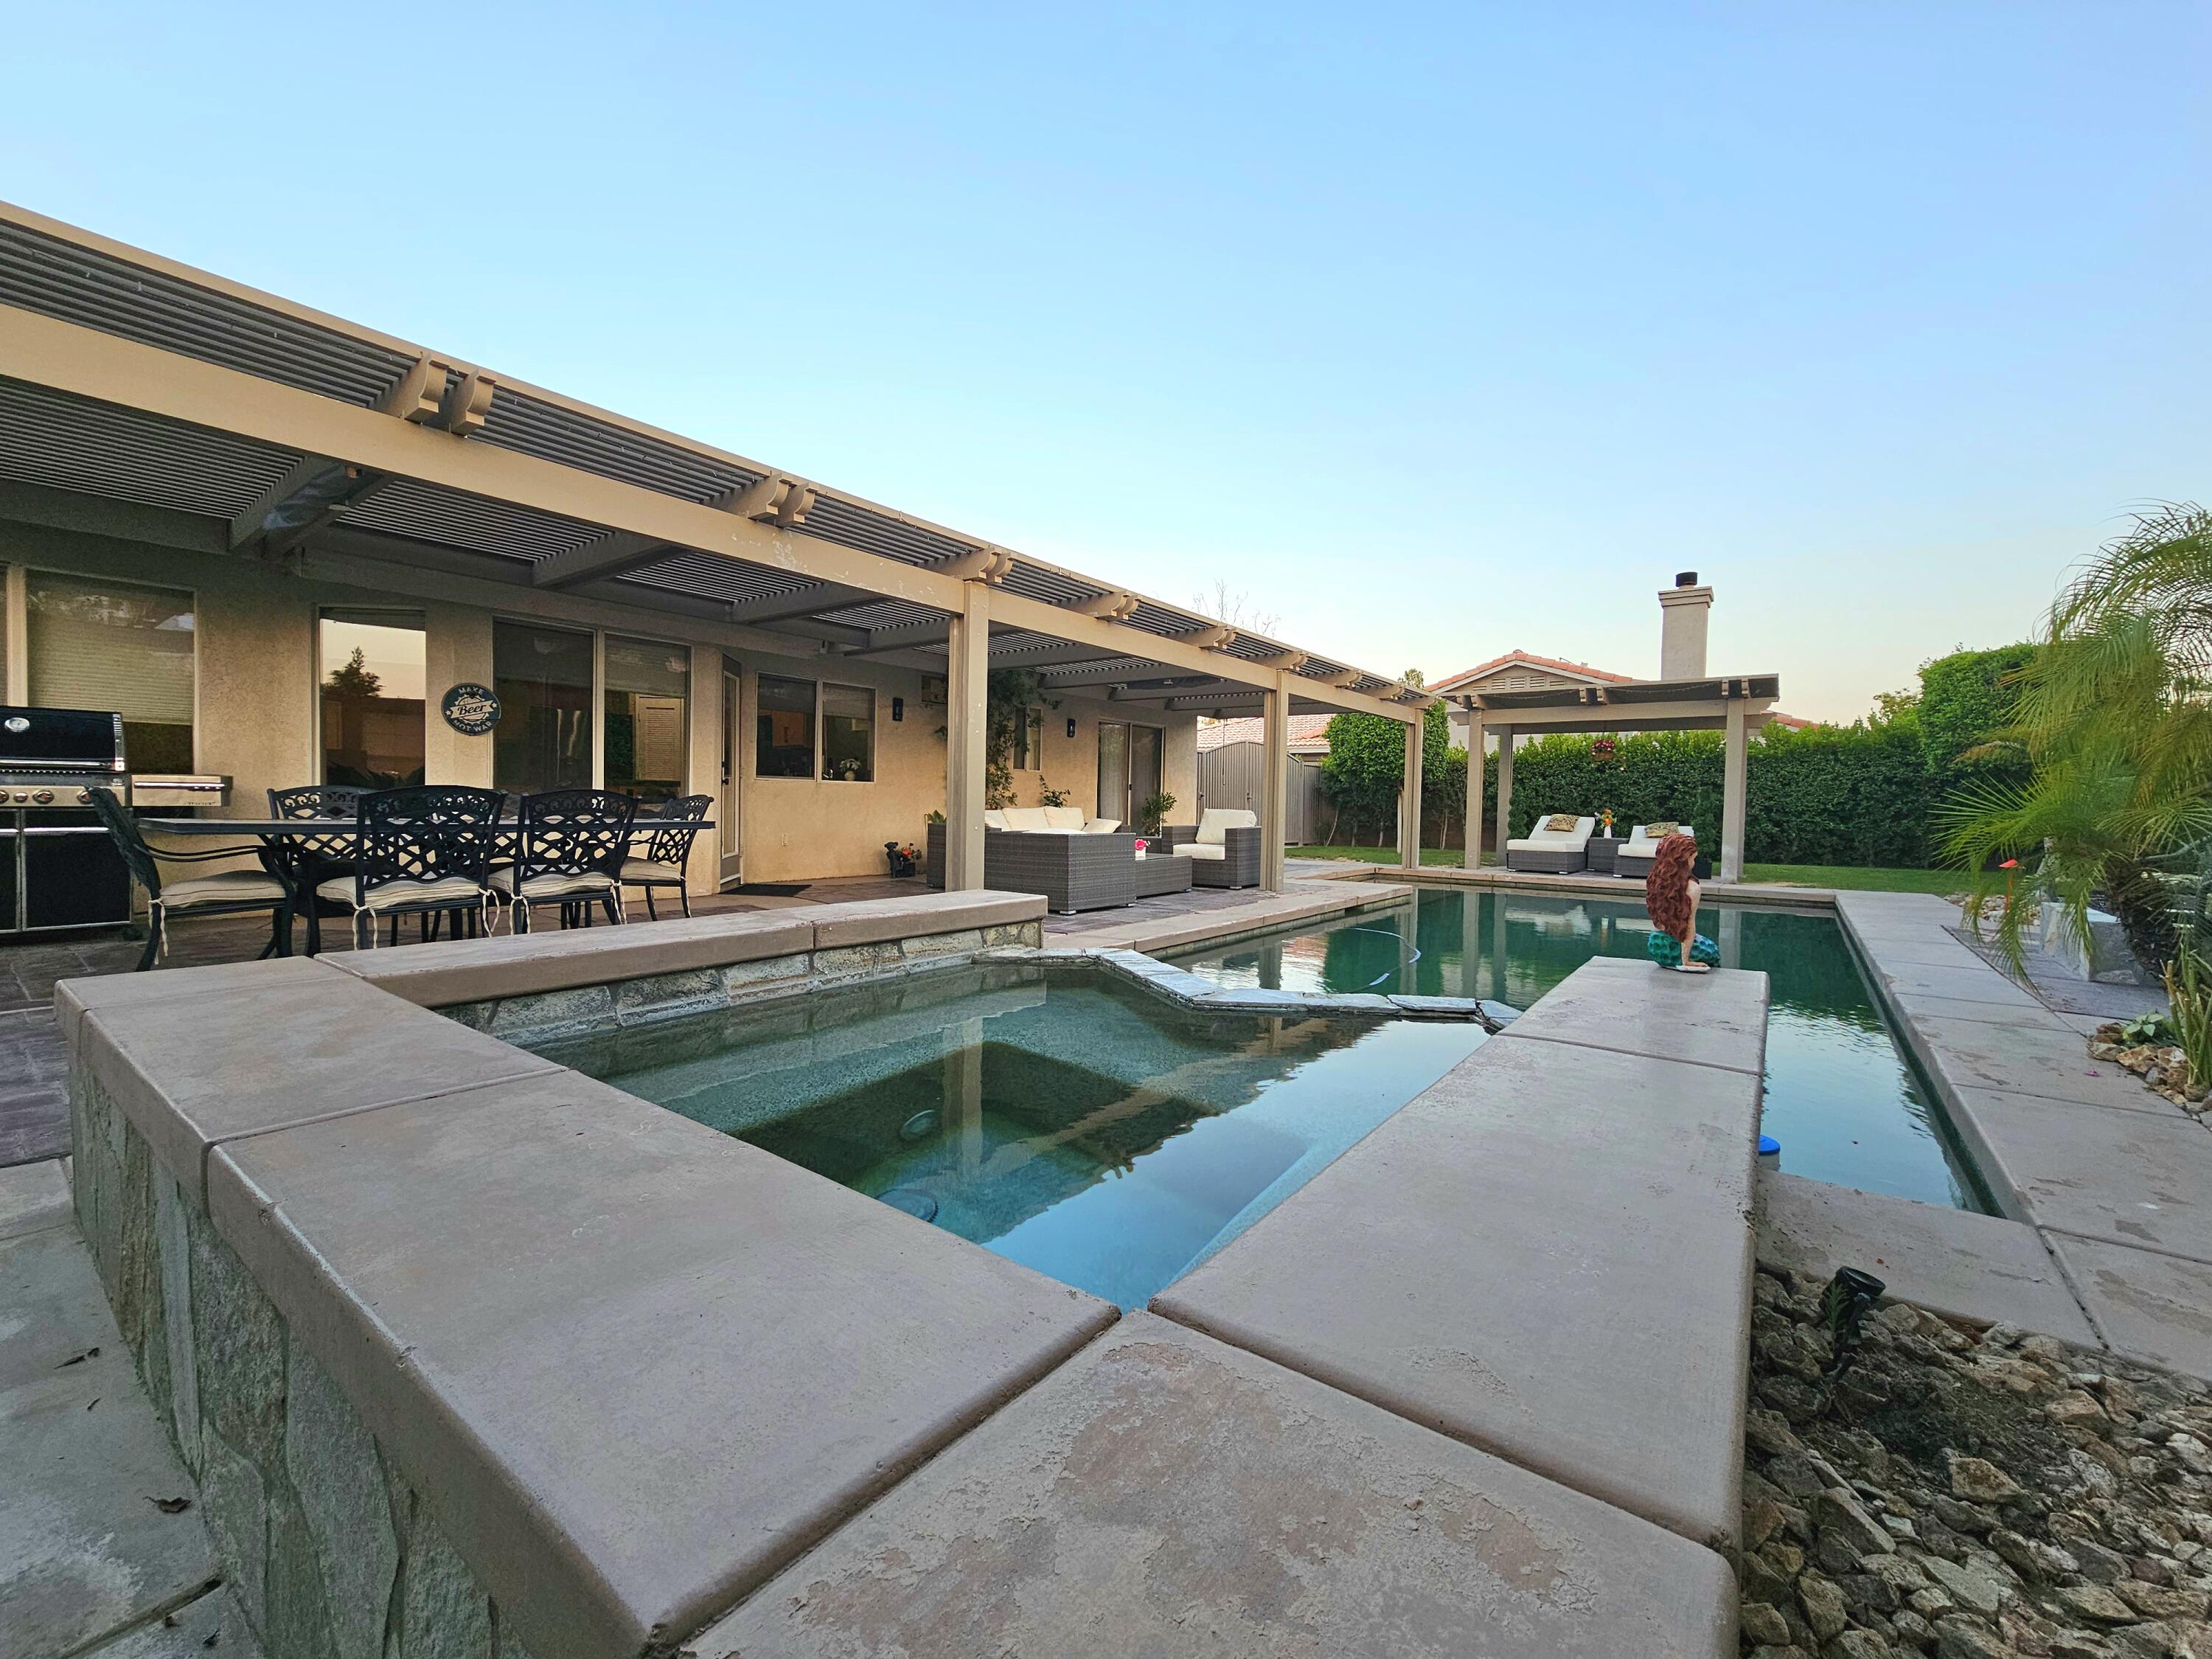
(1601,851)
(1162,872)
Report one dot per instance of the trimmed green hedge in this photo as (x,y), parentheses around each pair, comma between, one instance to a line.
(1828,794)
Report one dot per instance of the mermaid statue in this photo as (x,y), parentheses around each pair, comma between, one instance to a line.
(1670,894)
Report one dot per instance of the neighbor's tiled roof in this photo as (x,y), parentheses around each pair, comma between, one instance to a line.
(1526,659)
(1309,733)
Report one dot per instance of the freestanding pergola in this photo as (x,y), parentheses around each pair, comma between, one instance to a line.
(1737,704)
(221,420)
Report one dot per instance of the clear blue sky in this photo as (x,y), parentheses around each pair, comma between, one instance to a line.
(1442,331)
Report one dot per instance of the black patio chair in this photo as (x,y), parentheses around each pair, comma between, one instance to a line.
(226,892)
(423,852)
(569,848)
(314,859)
(661,861)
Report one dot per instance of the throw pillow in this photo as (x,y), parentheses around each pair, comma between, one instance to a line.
(1561,821)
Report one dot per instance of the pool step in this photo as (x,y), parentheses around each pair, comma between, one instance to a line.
(1548,1254)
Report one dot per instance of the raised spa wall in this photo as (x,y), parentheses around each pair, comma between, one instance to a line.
(256,1340)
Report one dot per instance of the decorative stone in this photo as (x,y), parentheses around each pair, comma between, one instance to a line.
(1759,1622)
(444,1612)
(1975,1481)
(1824,1606)
(1974,1588)
(346,1506)
(1838,1510)
(2094,1602)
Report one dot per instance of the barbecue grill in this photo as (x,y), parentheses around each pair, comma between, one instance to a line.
(57,867)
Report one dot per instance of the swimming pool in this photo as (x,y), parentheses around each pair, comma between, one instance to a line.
(1085,1127)
(1841,1097)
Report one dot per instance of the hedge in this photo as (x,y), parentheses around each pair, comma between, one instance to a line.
(1858,794)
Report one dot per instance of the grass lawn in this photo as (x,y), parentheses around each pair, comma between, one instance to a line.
(1788,875)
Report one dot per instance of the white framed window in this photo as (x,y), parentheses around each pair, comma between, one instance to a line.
(369,696)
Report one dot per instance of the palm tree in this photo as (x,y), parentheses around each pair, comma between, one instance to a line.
(2114,714)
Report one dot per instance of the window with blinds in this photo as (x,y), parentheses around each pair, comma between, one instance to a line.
(119,649)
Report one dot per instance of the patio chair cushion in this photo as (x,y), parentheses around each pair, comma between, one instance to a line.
(392,895)
(1026,817)
(994,819)
(555,885)
(1101,826)
(1544,838)
(1216,821)
(1560,822)
(646,870)
(1213,852)
(228,887)
(1063,817)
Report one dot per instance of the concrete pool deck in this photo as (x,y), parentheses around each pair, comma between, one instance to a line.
(2115,1182)
(631,1377)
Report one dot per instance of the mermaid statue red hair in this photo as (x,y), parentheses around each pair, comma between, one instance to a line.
(1667,889)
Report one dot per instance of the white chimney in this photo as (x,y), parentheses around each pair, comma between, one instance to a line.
(1683,612)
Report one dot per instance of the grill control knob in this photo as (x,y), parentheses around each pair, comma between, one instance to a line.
(84,798)
(21,796)
(44,797)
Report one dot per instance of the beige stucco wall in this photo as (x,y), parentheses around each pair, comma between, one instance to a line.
(256,677)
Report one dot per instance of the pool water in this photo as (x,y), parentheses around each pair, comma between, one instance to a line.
(1841,1097)
(1084,1128)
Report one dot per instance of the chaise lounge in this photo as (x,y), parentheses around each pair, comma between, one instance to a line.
(1634,858)
(1223,847)
(1558,845)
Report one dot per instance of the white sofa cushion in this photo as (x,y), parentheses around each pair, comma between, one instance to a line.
(1215,821)
(1102,826)
(1026,817)
(994,819)
(1063,817)
(1213,851)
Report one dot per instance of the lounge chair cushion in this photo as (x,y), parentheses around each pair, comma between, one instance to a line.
(646,870)
(228,887)
(392,895)
(1212,853)
(1216,822)
(1102,826)
(1544,838)
(1027,818)
(555,885)
(1063,817)
(994,819)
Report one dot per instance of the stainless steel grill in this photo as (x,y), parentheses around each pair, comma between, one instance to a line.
(57,867)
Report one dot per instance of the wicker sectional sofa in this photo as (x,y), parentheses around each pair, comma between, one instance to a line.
(1073,872)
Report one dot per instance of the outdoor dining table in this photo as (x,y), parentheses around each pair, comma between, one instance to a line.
(334,829)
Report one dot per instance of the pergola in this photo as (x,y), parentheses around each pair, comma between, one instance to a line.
(243,423)
(1735,704)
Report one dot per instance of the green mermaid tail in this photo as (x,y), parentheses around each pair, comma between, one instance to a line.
(1667,950)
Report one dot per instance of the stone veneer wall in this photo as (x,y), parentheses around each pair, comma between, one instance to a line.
(586,1009)
(330,1553)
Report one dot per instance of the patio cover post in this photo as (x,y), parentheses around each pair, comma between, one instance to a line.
(1472,814)
(1274,805)
(1733,770)
(1409,800)
(1504,788)
(967,688)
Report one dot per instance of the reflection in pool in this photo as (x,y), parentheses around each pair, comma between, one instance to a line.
(1840,1096)
(1085,1127)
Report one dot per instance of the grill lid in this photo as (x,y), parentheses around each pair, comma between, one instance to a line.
(60,740)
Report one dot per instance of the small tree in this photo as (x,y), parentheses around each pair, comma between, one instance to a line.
(1366,765)
(356,681)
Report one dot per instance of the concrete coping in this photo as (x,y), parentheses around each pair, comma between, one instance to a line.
(1547,1255)
(443,974)
(633,1365)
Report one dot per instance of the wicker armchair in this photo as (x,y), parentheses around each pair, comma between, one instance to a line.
(1233,860)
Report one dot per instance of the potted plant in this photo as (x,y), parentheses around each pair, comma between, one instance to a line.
(1154,811)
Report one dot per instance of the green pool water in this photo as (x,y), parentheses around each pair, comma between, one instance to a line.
(1085,1128)
(1841,1097)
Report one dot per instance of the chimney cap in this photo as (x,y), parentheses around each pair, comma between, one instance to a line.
(1686,579)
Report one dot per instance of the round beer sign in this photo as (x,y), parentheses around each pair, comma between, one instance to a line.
(470,710)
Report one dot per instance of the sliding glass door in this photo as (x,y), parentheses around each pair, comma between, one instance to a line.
(1128,769)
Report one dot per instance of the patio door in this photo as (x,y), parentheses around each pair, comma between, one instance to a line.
(726,802)
(1128,769)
